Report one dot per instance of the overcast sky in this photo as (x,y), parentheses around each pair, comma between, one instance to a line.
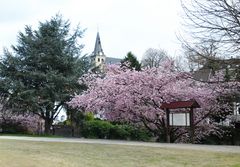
(124,25)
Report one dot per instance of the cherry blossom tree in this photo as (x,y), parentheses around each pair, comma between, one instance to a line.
(21,122)
(15,121)
(136,97)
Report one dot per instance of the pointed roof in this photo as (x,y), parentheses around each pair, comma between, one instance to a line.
(98,47)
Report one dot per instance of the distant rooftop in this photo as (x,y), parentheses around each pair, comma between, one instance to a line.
(98,51)
(203,74)
(112,60)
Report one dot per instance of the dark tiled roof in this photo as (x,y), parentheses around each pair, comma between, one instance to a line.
(98,46)
(112,60)
(181,104)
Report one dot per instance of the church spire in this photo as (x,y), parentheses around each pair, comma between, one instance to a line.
(98,47)
(98,57)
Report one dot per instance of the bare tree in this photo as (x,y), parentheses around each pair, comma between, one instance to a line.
(154,57)
(202,55)
(181,63)
(213,25)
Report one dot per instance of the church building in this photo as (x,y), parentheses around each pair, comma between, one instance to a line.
(98,58)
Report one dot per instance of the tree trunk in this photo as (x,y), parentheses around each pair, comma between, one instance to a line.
(168,140)
(48,124)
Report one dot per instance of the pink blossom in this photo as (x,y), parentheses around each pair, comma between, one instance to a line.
(136,96)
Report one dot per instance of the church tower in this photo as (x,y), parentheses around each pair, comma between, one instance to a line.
(98,57)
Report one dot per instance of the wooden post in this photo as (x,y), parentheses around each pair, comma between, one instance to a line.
(167,125)
(191,125)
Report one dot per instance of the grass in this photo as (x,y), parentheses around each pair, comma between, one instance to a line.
(30,135)
(16,153)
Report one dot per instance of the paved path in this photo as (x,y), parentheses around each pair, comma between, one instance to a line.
(215,148)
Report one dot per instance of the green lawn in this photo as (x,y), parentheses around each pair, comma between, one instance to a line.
(14,153)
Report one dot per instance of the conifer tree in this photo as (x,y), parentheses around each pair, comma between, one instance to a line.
(41,72)
(131,62)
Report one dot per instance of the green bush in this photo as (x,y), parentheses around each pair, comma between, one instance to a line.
(105,130)
(140,134)
(96,129)
(89,116)
(12,127)
(119,132)
(129,132)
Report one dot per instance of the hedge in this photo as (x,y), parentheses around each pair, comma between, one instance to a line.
(105,130)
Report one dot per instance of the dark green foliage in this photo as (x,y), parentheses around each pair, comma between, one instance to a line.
(140,134)
(13,127)
(106,130)
(88,116)
(227,75)
(76,119)
(128,132)
(133,62)
(43,69)
(120,132)
(96,129)
(237,72)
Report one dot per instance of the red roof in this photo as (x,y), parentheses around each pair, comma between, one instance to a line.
(180,104)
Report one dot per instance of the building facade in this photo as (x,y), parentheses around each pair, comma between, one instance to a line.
(98,58)
(204,75)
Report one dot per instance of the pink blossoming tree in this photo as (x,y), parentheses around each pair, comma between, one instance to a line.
(136,97)
(18,122)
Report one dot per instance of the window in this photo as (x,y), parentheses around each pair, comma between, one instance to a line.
(102,60)
(98,59)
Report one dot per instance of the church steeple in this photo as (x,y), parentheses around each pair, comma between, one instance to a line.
(98,57)
(98,47)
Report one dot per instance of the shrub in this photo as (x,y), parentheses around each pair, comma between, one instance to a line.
(96,129)
(140,134)
(106,130)
(129,132)
(13,127)
(17,123)
(89,116)
(119,132)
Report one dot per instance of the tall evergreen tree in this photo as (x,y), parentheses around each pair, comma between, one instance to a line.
(131,62)
(42,71)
